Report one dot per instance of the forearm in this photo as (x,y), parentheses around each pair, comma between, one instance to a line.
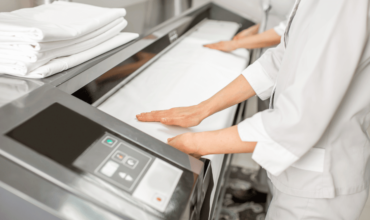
(265,39)
(224,141)
(237,91)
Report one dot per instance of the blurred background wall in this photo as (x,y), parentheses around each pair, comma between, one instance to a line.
(249,9)
(11,5)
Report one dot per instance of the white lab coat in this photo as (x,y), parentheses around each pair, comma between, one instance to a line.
(287,207)
(278,15)
(314,143)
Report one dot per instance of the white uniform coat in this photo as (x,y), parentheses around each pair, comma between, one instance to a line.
(314,143)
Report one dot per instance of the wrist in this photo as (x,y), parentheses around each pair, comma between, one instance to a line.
(199,145)
(243,43)
(205,109)
(236,44)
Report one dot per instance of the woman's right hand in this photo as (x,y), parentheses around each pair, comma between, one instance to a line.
(182,116)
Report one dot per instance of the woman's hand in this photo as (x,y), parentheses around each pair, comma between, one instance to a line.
(182,116)
(224,141)
(226,46)
(186,143)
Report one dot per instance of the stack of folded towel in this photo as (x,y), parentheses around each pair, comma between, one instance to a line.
(41,41)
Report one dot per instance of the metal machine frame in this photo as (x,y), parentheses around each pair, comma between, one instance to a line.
(82,83)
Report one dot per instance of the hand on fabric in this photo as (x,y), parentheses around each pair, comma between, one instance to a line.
(182,116)
(226,46)
(234,93)
(247,32)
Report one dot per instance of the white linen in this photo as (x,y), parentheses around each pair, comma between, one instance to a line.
(186,75)
(12,69)
(33,46)
(33,60)
(321,100)
(165,84)
(57,21)
(60,64)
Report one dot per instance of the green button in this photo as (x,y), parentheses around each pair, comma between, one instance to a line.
(109,141)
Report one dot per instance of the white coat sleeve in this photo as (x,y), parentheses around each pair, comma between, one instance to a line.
(304,110)
(261,75)
(280,29)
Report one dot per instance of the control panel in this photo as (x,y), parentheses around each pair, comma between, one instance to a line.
(145,177)
(115,161)
(76,141)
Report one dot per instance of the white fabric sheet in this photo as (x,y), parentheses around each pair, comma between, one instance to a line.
(186,75)
(56,21)
(33,46)
(32,60)
(64,63)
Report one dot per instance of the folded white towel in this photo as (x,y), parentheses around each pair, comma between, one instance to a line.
(29,61)
(56,21)
(33,46)
(12,69)
(64,63)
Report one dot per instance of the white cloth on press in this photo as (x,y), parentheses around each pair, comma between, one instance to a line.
(56,21)
(33,60)
(186,75)
(63,63)
(34,46)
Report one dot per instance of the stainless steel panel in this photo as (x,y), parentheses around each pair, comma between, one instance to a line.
(36,198)
(105,196)
(12,88)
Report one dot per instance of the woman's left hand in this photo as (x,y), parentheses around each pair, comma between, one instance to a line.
(226,46)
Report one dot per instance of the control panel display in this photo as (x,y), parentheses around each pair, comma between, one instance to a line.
(116,161)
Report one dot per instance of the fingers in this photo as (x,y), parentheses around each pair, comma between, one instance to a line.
(173,142)
(225,46)
(214,46)
(146,117)
(209,46)
(152,116)
(160,116)
(172,121)
(169,140)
